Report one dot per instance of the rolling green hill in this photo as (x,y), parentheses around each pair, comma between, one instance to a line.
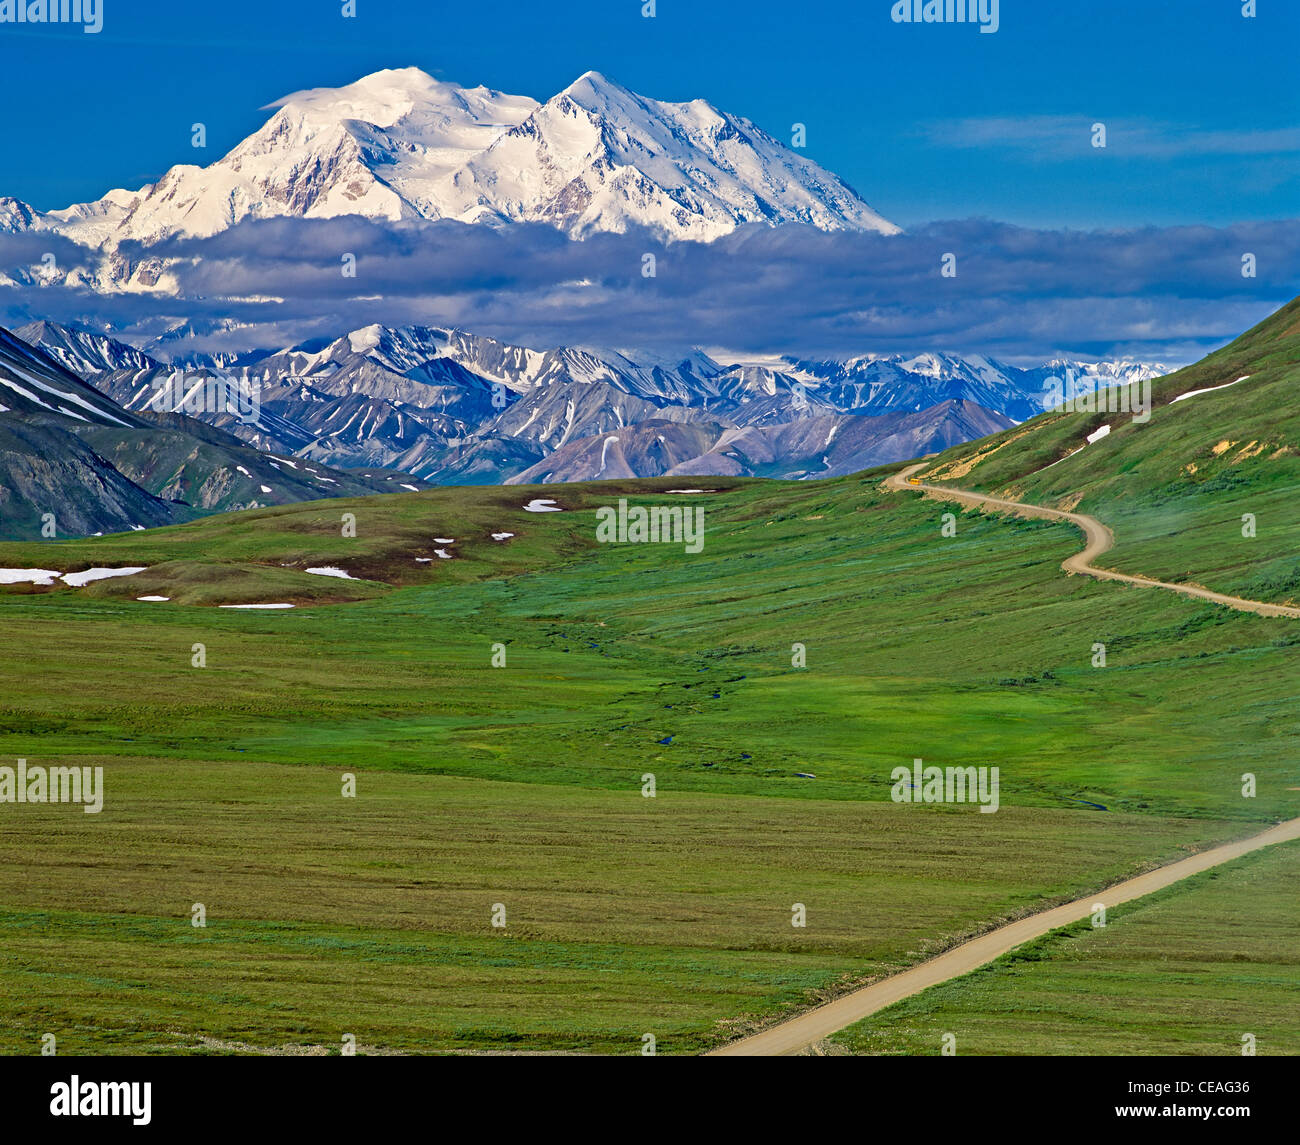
(1175,488)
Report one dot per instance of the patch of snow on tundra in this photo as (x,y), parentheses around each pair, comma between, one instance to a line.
(77,579)
(255,606)
(1196,393)
(28,576)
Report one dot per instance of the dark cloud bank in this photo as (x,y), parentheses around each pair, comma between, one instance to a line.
(1166,294)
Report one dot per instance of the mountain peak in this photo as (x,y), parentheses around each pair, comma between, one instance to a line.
(594,81)
(16,216)
(597,92)
(600,96)
(384,97)
(400,144)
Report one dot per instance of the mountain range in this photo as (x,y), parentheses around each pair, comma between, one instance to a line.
(453,407)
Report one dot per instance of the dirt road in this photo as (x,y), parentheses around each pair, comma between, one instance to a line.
(1099,540)
(798,1033)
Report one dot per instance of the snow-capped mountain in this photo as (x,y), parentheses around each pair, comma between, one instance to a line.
(399,144)
(877,384)
(451,406)
(810,447)
(598,157)
(68,449)
(81,352)
(1094,375)
(17,216)
(376,148)
(34,386)
(188,343)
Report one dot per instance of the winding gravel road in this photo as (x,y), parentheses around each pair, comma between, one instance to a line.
(1099,540)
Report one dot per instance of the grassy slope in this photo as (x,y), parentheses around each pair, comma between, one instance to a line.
(1175,488)
(1186,971)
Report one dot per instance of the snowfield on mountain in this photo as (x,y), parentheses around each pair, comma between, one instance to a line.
(399,144)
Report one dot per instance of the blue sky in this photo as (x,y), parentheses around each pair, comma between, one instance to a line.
(927,122)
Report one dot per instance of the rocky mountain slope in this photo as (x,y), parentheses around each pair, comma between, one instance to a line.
(74,460)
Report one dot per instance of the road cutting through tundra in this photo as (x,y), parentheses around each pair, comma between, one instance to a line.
(1099,540)
(800,1033)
